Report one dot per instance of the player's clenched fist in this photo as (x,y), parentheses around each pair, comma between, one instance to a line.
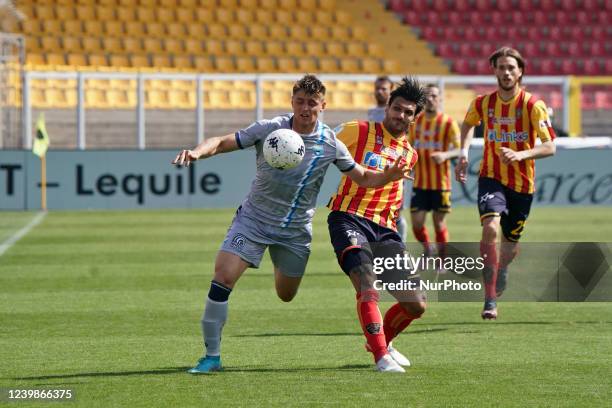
(185,157)
(461,169)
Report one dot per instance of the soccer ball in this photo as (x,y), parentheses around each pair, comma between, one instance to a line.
(283,149)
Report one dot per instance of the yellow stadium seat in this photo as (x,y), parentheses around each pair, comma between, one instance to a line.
(98,60)
(328,65)
(254,48)
(182,62)
(359,33)
(44,12)
(51,27)
(298,32)
(145,14)
(342,18)
(248,4)
(71,44)
(356,49)
(38,98)
(117,99)
(35,59)
(217,99)
(91,44)
(188,4)
(152,45)
(156,99)
(165,15)
(241,99)
(50,44)
(277,31)
(65,12)
(104,13)
(214,47)
(55,59)
(335,49)
(176,30)
(85,13)
(155,29)
(73,27)
(159,84)
(303,17)
(31,27)
(125,2)
(230,4)
(324,18)
(117,60)
(275,48)
(307,64)
(217,31)
(340,33)
(224,64)
(139,61)
(173,46)
(126,13)
(340,99)
(371,65)
(245,16)
(287,4)
(185,15)
(310,5)
(280,99)
(234,47)
(193,46)
(375,50)
(204,15)
(282,16)
(97,84)
(314,48)
(135,29)
(167,3)
(264,16)
(208,3)
(265,64)
(224,85)
(76,60)
(294,48)
(33,45)
(362,100)
(245,65)
(328,5)
(391,66)
(56,98)
(111,28)
(319,33)
(196,31)
(350,65)
(133,45)
(180,99)
(224,16)
(258,32)
(286,64)
(237,31)
(268,4)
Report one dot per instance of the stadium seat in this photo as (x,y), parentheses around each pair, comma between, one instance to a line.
(254,48)
(274,48)
(335,49)
(161,61)
(245,64)
(99,60)
(214,47)
(111,28)
(104,13)
(204,16)
(152,46)
(139,61)
(286,64)
(265,64)
(203,64)
(76,60)
(196,31)
(307,64)
(127,14)
(328,65)
(371,65)
(356,49)
(234,47)
(245,16)
(294,47)
(185,15)
(237,32)
(176,30)
(71,44)
(314,48)
(350,65)
(85,13)
(323,18)
(258,32)
(216,31)
(182,62)
(224,64)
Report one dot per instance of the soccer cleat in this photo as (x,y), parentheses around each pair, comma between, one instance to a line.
(489,311)
(206,365)
(398,357)
(387,364)
(502,280)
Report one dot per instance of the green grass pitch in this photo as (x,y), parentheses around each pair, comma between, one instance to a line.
(108,304)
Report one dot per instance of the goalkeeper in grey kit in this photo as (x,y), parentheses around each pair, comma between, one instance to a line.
(277,212)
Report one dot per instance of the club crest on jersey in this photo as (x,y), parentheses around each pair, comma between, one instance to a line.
(317,150)
(379,139)
(491,112)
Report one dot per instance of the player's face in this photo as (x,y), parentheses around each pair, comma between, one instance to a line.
(508,73)
(399,115)
(306,109)
(382,91)
(433,100)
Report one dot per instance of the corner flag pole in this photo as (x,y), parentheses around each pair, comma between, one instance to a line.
(39,148)
(43,183)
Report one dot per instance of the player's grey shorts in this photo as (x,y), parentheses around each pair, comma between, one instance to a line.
(289,247)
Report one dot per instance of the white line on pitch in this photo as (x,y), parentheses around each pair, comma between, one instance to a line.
(22,232)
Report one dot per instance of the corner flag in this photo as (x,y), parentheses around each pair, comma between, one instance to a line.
(41,141)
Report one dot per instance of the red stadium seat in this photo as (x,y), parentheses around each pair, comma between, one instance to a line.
(602,100)
(525,5)
(604,17)
(569,5)
(446,50)
(548,67)
(568,67)
(463,5)
(433,33)
(455,18)
(472,34)
(441,5)
(462,66)
(547,5)
(483,5)
(591,5)
(397,5)
(466,50)
(498,18)
(556,34)
(576,33)
(597,49)
(574,49)
(608,67)
(553,49)
(530,50)
(591,67)
(534,67)
(412,18)
(433,18)
(518,17)
(598,33)
(482,67)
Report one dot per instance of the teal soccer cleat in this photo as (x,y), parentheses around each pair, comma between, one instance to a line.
(206,365)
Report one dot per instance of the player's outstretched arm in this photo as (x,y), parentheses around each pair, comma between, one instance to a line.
(372,179)
(207,148)
(546,149)
(467,134)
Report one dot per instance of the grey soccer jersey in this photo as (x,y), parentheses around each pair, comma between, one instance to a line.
(287,198)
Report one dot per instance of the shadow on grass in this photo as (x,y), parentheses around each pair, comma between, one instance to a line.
(357,334)
(169,370)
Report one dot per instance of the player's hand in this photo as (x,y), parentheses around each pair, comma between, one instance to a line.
(461,169)
(510,156)
(438,157)
(398,170)
(185,157)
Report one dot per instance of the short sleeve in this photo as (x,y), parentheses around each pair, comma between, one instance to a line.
(348,133)
(540,121)
(344,161)
(256,132)
(472,117)
(454,134)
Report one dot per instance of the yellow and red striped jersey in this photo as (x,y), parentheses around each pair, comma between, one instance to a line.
(513,124)
(438,133)
(373,147)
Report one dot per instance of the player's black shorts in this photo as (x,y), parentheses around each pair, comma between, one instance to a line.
(496,199)
(351,233)
(430,200)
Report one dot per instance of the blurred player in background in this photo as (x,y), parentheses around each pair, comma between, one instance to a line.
(278,210)
(382,91)
(513,118)
(360,216)
(435,136)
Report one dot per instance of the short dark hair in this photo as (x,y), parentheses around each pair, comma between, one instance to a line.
(310,84)
(411,90)
(507,52)
(385,78)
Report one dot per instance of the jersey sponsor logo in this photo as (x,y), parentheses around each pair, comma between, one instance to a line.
(317,150)
(504,136)
(504,120)
(378,161)
(430,145)
(238,241)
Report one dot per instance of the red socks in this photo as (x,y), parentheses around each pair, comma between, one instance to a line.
(422,236)
(396,320)
(371,322)
(441,241)
(489,253)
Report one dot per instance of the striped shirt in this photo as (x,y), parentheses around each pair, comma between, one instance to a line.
(373,147)
(514,124)
(439,133)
